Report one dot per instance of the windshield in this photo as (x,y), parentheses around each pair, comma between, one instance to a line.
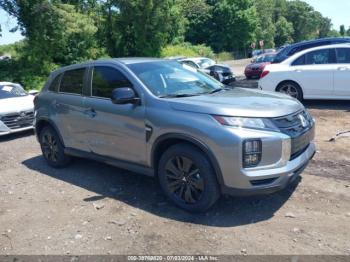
(265,58)
(205,62)
(11,90)
(172,78)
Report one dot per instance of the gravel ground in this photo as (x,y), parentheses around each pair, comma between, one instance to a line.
(92,208)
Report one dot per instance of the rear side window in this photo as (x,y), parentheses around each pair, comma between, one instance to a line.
(343,55)
(318,57)
(72,81)
(105,79)
(54,86)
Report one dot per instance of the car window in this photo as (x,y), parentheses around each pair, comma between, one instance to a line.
(190,63)
(11,91)
(72,81)
(343,55)
(54,86)
(205,62)
(318,57)
(299,61)
(105,79)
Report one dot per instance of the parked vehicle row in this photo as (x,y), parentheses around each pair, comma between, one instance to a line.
(222,73)
(316,73)
(168,120)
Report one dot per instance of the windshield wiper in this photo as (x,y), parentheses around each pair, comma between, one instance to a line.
(177,95)
(218,90)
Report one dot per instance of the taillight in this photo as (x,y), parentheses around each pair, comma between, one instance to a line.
(264,73)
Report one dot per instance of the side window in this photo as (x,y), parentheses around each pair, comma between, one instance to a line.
(299,61)
(343,55)
(318,57)
(54,86)
(105,79)
(72,81)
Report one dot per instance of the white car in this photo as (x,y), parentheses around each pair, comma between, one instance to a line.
(317,73)
(16,108)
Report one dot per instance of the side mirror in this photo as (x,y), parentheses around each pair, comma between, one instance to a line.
(33,92)
(124,95)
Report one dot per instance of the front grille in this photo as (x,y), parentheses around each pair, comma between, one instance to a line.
(18,120)
(300,127)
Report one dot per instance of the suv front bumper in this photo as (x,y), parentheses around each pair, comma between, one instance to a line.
(4,130)
(276,179)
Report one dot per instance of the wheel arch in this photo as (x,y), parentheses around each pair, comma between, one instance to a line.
(41,123)
(163,142)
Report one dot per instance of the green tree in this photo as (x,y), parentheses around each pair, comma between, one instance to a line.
(145,26)
(265,25)
(348,32)
(334,33)
(198,15)
(284,32)
(233,24)
(325,25)
(342,30)
(304,20)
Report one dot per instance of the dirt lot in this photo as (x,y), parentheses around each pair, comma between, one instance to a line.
(92,208)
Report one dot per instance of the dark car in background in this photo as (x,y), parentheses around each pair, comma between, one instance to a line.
(258,64)
(222,73)
(292,49)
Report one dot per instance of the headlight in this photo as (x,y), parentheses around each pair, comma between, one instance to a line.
(242,122)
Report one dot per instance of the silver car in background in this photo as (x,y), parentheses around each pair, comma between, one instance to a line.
(170,121)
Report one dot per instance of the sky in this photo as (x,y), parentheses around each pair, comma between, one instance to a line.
(337,10)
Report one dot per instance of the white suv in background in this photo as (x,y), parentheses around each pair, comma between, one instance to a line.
(16,108)
(317,73)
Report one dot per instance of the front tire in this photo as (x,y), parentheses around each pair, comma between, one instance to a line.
(52,148)
(187,178)
(292,89)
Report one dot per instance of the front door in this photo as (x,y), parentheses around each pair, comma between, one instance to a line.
(116,131)
(342,74)
(316,73)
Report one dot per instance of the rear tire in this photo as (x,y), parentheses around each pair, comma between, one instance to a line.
(187,178)
(52,148)
(292,89)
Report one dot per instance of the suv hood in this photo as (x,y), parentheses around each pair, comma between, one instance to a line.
(16,104)
(239,102)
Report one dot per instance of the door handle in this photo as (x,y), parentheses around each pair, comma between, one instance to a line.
(91,112)
(342,68)
(298,70)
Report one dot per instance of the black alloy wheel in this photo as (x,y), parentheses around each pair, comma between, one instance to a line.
(184,179)
(187,178)
(52,148)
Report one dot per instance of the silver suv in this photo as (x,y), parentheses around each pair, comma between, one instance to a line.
(199,138)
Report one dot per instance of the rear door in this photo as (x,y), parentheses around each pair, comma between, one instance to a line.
(342,73)
(116,131)
(69,108)
(314,72)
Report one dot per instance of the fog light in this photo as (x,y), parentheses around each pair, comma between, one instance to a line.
(252,150)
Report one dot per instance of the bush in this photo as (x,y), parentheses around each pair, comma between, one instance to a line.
(188,50)
(224,56)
